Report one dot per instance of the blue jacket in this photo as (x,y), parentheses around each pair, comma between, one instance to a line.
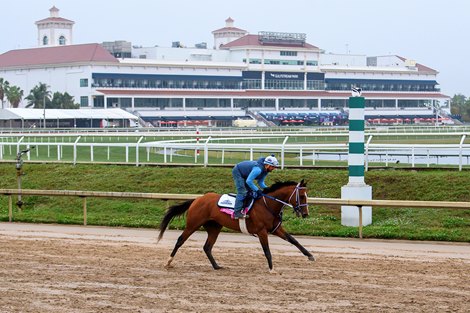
(251,171)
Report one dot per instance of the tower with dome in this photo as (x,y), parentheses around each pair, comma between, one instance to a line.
(54,30)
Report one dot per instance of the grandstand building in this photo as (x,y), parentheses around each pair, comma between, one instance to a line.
(244,74)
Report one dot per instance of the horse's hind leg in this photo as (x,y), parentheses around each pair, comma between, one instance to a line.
(213,230)
(188,231)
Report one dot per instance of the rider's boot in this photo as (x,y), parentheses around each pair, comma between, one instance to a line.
(237,210)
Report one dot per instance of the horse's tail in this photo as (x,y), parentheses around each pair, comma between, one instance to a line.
(172,212)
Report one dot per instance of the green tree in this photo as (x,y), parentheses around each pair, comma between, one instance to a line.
(14,95)
(38,95)
(63,101)
(460,105)
(4,85)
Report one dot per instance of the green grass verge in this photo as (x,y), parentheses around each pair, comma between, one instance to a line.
(402,223)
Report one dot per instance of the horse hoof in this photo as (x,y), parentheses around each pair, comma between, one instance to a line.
(273,272)
(311,258)
(168,266)
(218,267)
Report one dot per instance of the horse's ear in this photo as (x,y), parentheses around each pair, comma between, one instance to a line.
(303,183)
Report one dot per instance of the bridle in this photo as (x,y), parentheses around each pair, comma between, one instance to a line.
(297,207)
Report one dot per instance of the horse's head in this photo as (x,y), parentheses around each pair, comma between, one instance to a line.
(298,199)
(290,193)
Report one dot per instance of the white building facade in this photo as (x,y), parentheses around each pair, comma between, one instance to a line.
(270,71)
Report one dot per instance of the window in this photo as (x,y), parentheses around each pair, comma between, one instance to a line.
(255,61)
(84,82)
(45,41)
(62,41)
(289,53)
(84,101)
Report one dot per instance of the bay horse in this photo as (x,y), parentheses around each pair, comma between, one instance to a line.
(264,217)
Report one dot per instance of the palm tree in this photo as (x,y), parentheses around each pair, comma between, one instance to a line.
(68,102)
(4,85)
(38,95)
(14,95)
(63,101)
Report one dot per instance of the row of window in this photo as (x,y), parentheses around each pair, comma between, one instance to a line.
(168,103)
(277,84)
(382,86)
(289,53)
(282,62)
(166,84)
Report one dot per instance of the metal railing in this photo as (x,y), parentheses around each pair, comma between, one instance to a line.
(167,196)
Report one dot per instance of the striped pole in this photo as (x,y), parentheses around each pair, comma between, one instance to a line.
(197,141)
(356,140)
(356,189)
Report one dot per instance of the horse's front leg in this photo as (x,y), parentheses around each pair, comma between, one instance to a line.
(280,232)
(263,239)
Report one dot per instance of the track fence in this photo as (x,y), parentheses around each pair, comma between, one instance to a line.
(168,196)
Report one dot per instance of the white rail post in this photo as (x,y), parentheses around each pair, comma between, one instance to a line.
(18,144)
(206,152)
(283,151)
(75,150)
(460,151)
(137,151)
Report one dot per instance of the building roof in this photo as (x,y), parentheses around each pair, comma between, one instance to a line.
(56,55)
(54,20)
(253,40)
(229,29)
(420,67)
(54,114)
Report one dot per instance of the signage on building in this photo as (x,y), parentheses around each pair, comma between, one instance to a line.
(284,76)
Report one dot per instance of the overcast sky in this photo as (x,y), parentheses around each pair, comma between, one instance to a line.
(432,32)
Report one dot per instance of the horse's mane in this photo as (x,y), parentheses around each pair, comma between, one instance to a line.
(278,185)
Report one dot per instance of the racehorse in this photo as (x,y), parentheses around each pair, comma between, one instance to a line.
(264,217)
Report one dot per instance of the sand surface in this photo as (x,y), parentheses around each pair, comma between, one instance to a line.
(55,268)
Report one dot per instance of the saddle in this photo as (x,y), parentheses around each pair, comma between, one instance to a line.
(226,203)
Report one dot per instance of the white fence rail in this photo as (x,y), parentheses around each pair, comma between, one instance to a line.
(458,154)
(254,141)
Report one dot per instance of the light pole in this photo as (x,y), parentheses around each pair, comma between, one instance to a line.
(19,173)
(436,107)
(44,102)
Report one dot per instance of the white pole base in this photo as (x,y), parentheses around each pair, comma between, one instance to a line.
(350,214)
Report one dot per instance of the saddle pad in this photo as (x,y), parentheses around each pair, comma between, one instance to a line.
(226,201)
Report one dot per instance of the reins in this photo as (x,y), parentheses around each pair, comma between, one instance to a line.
(296,208)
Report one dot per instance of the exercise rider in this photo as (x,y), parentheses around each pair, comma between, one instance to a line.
(245,173)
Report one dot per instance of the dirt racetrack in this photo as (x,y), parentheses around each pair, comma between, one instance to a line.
(52,268)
